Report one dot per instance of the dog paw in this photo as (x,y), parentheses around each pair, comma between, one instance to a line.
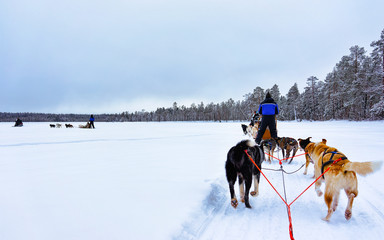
(325,219)
(319,193)
(334,206)
(348,214)
(254,194)
(234,203)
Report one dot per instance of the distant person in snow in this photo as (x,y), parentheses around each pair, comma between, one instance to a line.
(18,123)
(91,122)
(268,110)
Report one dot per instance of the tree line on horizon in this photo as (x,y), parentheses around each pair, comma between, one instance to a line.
(353,90)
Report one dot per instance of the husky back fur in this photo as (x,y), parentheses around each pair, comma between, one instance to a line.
(288,145)
(269,146)
(341,175)
(238,165)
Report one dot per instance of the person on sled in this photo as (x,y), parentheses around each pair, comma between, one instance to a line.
(91,122)
(268,110)
(18,123)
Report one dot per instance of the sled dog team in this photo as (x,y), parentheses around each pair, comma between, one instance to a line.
(58,125)
(89,124)
(341,173)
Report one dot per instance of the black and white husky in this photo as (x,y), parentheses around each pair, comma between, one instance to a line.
(238,165)
(249,130)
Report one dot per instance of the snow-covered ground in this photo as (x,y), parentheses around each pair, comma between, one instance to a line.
(167,181)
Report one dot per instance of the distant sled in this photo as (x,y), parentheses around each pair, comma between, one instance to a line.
(88,125)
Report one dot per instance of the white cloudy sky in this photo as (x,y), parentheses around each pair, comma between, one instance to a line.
(95,56)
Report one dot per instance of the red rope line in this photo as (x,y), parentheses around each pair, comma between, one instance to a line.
(315,180)
(250,158)
(289,205)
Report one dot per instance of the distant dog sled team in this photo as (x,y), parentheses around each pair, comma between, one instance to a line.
(89,124)
(336,170)
(58,125)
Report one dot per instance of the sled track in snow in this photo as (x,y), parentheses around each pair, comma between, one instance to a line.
(212,206)
(217,219)
(99,140)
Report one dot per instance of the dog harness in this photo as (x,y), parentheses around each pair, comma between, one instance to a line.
(289,141)
(269,144)
(330,160)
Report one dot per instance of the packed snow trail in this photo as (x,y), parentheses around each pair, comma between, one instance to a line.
(167,181)
(267,219)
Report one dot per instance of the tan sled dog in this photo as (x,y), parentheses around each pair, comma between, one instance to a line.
(341,175)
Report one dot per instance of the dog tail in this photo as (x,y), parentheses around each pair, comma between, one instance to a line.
(362,168)
(251,143)
(244,144)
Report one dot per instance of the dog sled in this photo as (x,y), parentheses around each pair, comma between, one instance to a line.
(18,123)
(88,125)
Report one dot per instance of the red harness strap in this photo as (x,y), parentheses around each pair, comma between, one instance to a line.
(289,205)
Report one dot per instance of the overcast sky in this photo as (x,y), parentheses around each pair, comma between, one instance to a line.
(96,56)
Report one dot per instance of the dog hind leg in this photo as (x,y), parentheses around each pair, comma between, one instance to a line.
(234,201)
(307,161)
(294,153)
(241,187)
(282,150)
(231,178)
(269,154)
(256,179)
(351,196)
(328,198)
(317,188)
(273,150)
(248,183)
(288,154)
(335,202)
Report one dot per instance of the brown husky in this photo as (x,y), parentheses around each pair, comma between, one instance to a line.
(341,174)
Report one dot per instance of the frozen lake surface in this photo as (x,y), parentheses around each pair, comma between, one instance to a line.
(167,181)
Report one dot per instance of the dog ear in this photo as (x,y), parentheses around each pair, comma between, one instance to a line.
(324,141)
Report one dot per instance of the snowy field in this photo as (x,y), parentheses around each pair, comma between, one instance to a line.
(160,181)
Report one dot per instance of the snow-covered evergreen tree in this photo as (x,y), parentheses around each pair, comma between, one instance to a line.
(292,102)
(275,93)
(310,99)
(378,75)
(355,90)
